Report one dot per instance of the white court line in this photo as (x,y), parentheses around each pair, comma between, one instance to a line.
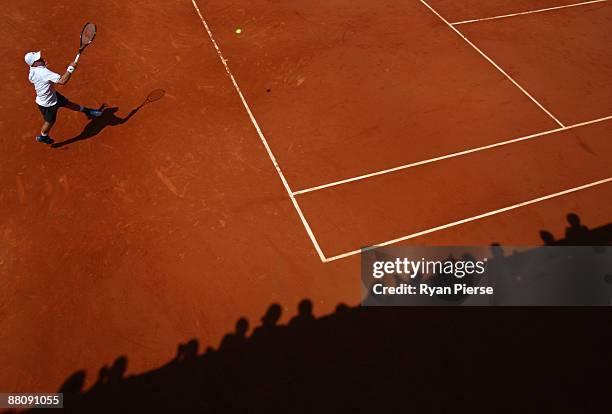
(492,62)
(261,135)
(452,155)
(503,16)
(474,218)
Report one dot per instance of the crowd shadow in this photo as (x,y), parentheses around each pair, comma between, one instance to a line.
(577,234)
(418,359)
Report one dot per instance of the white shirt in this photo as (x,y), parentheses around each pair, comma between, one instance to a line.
(44,82)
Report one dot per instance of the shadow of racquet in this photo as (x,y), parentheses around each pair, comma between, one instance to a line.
(109,118)
(153,96)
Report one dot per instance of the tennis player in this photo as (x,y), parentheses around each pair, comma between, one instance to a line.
(48,100)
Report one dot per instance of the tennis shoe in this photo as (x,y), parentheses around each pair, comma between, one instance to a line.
(45,139)
(92,113)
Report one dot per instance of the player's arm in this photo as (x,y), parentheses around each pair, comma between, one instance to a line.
(66,76)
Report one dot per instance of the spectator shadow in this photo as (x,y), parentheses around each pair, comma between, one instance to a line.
(576,232)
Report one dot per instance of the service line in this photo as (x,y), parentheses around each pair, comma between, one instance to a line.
(503,16)
(473,218)
(452,155)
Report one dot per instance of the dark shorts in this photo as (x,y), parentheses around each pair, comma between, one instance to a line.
(49,113)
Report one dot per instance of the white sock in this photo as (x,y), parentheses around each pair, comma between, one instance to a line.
(43,134)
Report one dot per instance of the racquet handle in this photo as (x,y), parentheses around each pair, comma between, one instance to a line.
(76,59)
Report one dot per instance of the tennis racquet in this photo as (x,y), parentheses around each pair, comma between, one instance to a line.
(87,36)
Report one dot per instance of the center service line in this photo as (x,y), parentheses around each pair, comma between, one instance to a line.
(491,61)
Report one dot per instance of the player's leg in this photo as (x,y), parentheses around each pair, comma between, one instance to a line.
(49,115)
(66,103)
(46,128)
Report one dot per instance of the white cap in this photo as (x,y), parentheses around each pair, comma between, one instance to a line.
(32,57)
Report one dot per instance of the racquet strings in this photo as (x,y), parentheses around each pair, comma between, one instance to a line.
(88,34)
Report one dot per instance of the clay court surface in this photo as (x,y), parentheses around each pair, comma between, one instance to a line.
(386,126)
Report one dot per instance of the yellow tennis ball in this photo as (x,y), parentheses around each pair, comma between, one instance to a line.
(238,31)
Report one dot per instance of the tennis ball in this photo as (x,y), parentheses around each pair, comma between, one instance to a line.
(238,31)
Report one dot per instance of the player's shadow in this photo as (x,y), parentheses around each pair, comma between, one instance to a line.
(96,125)
(109,118)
